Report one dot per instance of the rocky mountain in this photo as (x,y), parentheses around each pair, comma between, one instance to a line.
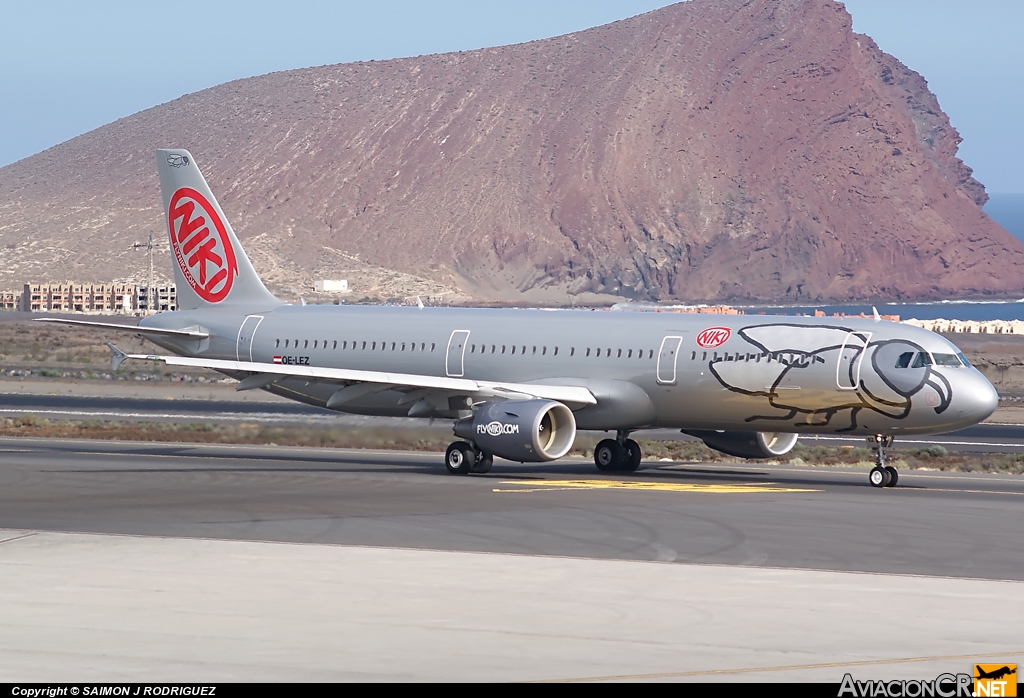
(713,150)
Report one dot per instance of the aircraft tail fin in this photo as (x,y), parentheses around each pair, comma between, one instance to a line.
(210,266)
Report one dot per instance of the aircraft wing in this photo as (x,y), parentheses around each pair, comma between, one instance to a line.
(264,374)
(191,334)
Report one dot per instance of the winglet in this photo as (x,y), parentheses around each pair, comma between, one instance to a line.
(118,358)
(419,303)
(874,310)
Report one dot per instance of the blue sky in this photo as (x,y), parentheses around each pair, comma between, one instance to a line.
(68,67)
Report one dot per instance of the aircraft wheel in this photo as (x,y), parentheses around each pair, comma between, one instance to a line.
(632,455)
(459,458)
(608,455)
(893,476)
(879,477)
(483,464)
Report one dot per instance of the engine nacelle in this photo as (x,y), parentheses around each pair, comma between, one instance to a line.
(528,431)
(747,444)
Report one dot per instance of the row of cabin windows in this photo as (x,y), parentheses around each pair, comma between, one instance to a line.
(785,358)
(372,346)
(522,351)
(473,349)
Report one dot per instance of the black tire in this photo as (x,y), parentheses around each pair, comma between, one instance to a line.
(483,464)
(894,476)
(631,457)
(879,477)
(608,455)
(459,458)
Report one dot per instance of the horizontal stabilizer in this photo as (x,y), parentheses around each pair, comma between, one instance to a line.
(118,356)
(191,334)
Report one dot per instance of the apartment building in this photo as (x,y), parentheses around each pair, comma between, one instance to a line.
(73,297)
(163,298)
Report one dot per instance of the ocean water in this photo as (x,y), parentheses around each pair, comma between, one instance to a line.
(1005,209)
(1008,211)
(950,310)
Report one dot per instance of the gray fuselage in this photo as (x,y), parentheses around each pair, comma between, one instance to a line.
(646,369)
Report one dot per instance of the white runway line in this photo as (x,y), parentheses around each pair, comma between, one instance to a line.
(82,607)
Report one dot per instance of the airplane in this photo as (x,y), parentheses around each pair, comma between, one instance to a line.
(995,674)
(519,383)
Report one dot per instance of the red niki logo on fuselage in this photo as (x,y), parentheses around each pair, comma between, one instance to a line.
(713,337)
(201,245)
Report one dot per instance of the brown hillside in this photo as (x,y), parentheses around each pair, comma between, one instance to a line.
(711,150)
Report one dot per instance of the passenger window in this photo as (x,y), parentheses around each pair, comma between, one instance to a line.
(650,353)
(393,345)
(403,346)
(364,346)
(513,348)
(502,348)
(315,342)
(535,350)
(432,346)
(423,346)
(543,351)
(555,353)
(693,356)
(704,356)
(373,347)
(588,351)
(277,343)
(947,360)
(305,344)
(335,344)
(904,359)
(923,360)
(572,351)
(619,354)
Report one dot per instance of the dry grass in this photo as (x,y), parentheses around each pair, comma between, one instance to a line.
(931,458)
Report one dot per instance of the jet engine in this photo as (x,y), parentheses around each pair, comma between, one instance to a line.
(528,431)
(747,444)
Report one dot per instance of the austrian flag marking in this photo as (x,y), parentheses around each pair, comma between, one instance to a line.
(201,245)
(713,337)
(278,360)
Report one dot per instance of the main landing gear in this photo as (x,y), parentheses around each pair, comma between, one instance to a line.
(620,454)
(463,457)
(882,475)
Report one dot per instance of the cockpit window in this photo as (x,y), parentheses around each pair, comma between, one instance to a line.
(923,359)
(904,359)
(947,360)
(963,359)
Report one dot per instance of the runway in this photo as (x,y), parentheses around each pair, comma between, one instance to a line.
(996,438)
(326,564)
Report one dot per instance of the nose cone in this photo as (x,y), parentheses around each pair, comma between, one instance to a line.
(977,400)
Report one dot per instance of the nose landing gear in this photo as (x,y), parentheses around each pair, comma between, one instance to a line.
(621,454)
(882,475)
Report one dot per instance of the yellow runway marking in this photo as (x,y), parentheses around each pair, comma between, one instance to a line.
(553,485)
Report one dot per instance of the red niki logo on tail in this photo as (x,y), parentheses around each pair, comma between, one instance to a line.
(201,245)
